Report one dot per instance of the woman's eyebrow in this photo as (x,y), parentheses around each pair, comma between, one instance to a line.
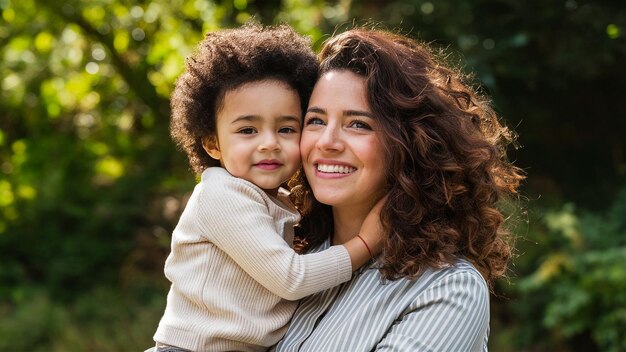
(346,113)
(358,113)
(316,110)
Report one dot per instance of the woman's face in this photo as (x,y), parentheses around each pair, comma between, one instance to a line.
(342,154)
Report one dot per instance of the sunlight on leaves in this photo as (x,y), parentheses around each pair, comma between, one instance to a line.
(98,148)
(553,266)
(612,31)
(567,223)
(121,40)
(240,4)
(6,194)
(11,82)
(44,42)
(19,147)
(108,169)
(242,17)
(8,15)
(125,121)
(95,14)
(26,192)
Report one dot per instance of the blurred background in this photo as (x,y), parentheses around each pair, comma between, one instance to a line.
(91,185)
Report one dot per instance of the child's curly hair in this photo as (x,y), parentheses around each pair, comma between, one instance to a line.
(225,60)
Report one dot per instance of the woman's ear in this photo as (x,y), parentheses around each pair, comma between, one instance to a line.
(212,147)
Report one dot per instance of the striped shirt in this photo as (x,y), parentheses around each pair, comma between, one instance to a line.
(441,310)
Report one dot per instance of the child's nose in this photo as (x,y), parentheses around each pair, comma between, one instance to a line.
(269,142)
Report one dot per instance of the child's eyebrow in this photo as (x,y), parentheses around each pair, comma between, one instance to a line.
(248,118)
(287,118)
(253,118)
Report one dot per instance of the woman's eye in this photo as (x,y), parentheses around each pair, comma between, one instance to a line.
(313,121)
(247,130)
(360,125)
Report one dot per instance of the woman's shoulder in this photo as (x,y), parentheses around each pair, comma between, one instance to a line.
(461,272)
(464,268)
(459,281)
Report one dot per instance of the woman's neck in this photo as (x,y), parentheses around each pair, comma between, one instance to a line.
(347,223)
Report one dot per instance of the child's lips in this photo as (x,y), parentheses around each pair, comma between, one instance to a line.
(268,164)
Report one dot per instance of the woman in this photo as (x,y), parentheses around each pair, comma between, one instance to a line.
(386,119)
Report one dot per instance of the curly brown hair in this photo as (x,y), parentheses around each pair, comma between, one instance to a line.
(226,60)
(445,158)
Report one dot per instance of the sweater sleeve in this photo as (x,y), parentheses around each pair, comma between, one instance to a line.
(451,315)
(235,217)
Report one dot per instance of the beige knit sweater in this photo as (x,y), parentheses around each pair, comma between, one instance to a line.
(235,277)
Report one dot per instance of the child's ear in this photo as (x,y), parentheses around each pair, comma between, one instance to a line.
(211,146)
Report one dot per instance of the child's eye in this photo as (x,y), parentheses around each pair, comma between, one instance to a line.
(287,130)
(360,125)
(313,121)
(247,130)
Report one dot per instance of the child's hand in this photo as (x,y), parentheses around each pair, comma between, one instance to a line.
(369,241)
(372,231)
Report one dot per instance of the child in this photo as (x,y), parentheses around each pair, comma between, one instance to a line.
(236,112)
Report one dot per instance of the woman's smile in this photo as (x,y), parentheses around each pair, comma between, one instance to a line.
(334,168)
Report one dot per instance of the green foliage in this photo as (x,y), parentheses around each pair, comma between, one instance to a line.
(104,319)
(577,288)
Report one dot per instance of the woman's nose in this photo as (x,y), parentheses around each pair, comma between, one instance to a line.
(330,139)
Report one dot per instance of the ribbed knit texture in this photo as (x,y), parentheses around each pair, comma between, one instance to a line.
(234,274)
(442,310)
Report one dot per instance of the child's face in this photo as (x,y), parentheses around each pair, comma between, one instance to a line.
(258,133)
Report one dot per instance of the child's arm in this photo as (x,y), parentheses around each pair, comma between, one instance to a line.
(235,218)
(368,242)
